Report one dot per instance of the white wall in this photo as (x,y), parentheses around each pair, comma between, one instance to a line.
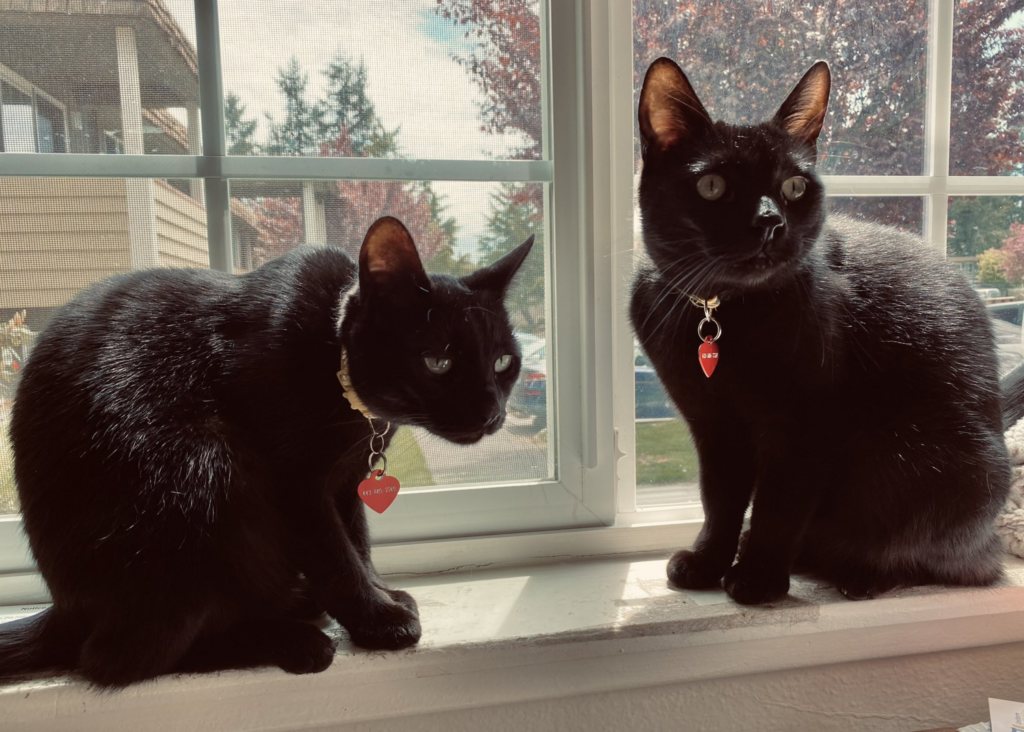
(901,695)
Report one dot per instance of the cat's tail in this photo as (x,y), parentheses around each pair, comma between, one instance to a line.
(42,642)
(1013,396)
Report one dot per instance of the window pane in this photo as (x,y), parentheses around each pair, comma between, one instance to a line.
(744,57)
(986,242)
(50,123)
(450,79)
(125,72)
(19,134)
(457,227)
(987,114)
(60,235)
(903,213)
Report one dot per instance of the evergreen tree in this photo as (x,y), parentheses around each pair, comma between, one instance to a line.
(347,107)
(238,130)
(515,216)
(299,133)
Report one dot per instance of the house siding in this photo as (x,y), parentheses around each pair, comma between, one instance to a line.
(59,235)
(180,228)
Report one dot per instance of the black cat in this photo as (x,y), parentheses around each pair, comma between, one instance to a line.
(187,463)
(855,397)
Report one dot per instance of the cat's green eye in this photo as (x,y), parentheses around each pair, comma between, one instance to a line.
(794,188)
(503,363)
(711,187)
(438,365)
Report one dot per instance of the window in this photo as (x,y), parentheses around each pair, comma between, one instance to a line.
(30,120)
(225,138)
(924,130)
(222,134)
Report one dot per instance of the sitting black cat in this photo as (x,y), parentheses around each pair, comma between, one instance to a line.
(854,398)
(187,463)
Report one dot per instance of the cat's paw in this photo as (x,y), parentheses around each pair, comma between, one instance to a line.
(304,650)
(388,627)
(752,585)
(690,570)
(403,598)
(864,587)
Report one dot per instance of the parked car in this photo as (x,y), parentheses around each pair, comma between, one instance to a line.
(987,293)
(529,396)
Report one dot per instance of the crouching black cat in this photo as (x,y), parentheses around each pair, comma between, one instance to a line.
(187,463)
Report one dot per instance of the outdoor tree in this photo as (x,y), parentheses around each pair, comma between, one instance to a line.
(1012,255)
(990,268)
(239,131)
(978,223)
(744,57)
(298,133)
(345,123)
(514,217)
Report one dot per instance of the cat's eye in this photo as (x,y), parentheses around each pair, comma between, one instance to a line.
(711,187)
(794,188)
(438,365)
(503,363)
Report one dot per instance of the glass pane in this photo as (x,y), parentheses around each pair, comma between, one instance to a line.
(60,235)
(987,113)
(904,213)
(18,133)
(457,227)
(454,79)
(125,73)
(744,57)
(986,242)
(50,123)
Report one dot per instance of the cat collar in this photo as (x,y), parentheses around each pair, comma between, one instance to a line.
(349,392)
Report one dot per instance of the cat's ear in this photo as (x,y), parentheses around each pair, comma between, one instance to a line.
(803,112)
(498,275)
(388,260)
(669,109)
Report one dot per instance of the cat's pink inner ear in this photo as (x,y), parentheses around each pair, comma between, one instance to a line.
(669,108)
(389,252)
(803,113)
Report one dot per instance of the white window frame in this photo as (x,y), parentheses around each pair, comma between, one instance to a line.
(936,186)
(590,213)
(580,496)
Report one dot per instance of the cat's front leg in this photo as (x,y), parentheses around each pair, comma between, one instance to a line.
(353,515)
(347,590)
(727,472)
(788,484)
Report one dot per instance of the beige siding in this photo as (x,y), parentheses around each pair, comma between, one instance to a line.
(180,228)
(58,235)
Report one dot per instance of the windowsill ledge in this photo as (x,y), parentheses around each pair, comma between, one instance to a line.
(511,635)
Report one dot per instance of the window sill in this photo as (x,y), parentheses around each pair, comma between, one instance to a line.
(506,635)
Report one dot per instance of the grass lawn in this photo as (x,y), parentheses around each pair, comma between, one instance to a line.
(405,460)
(665,453)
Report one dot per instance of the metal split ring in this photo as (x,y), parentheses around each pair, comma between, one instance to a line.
(700,328)
(384,460)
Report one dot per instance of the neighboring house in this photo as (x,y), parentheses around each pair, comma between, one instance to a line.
(73,80)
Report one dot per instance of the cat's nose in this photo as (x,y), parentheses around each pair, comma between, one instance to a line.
(495,417)
(768,218)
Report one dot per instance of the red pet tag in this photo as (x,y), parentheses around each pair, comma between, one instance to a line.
(708,353)
(379,491)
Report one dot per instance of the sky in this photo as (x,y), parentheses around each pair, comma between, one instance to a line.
(413,80)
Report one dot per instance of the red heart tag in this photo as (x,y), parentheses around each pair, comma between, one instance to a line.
(708,352)
(378,493)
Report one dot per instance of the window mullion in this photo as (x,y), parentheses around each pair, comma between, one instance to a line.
(211,100)
(940,75)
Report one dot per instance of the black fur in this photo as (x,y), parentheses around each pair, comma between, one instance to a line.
(856,401)
(187,464)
